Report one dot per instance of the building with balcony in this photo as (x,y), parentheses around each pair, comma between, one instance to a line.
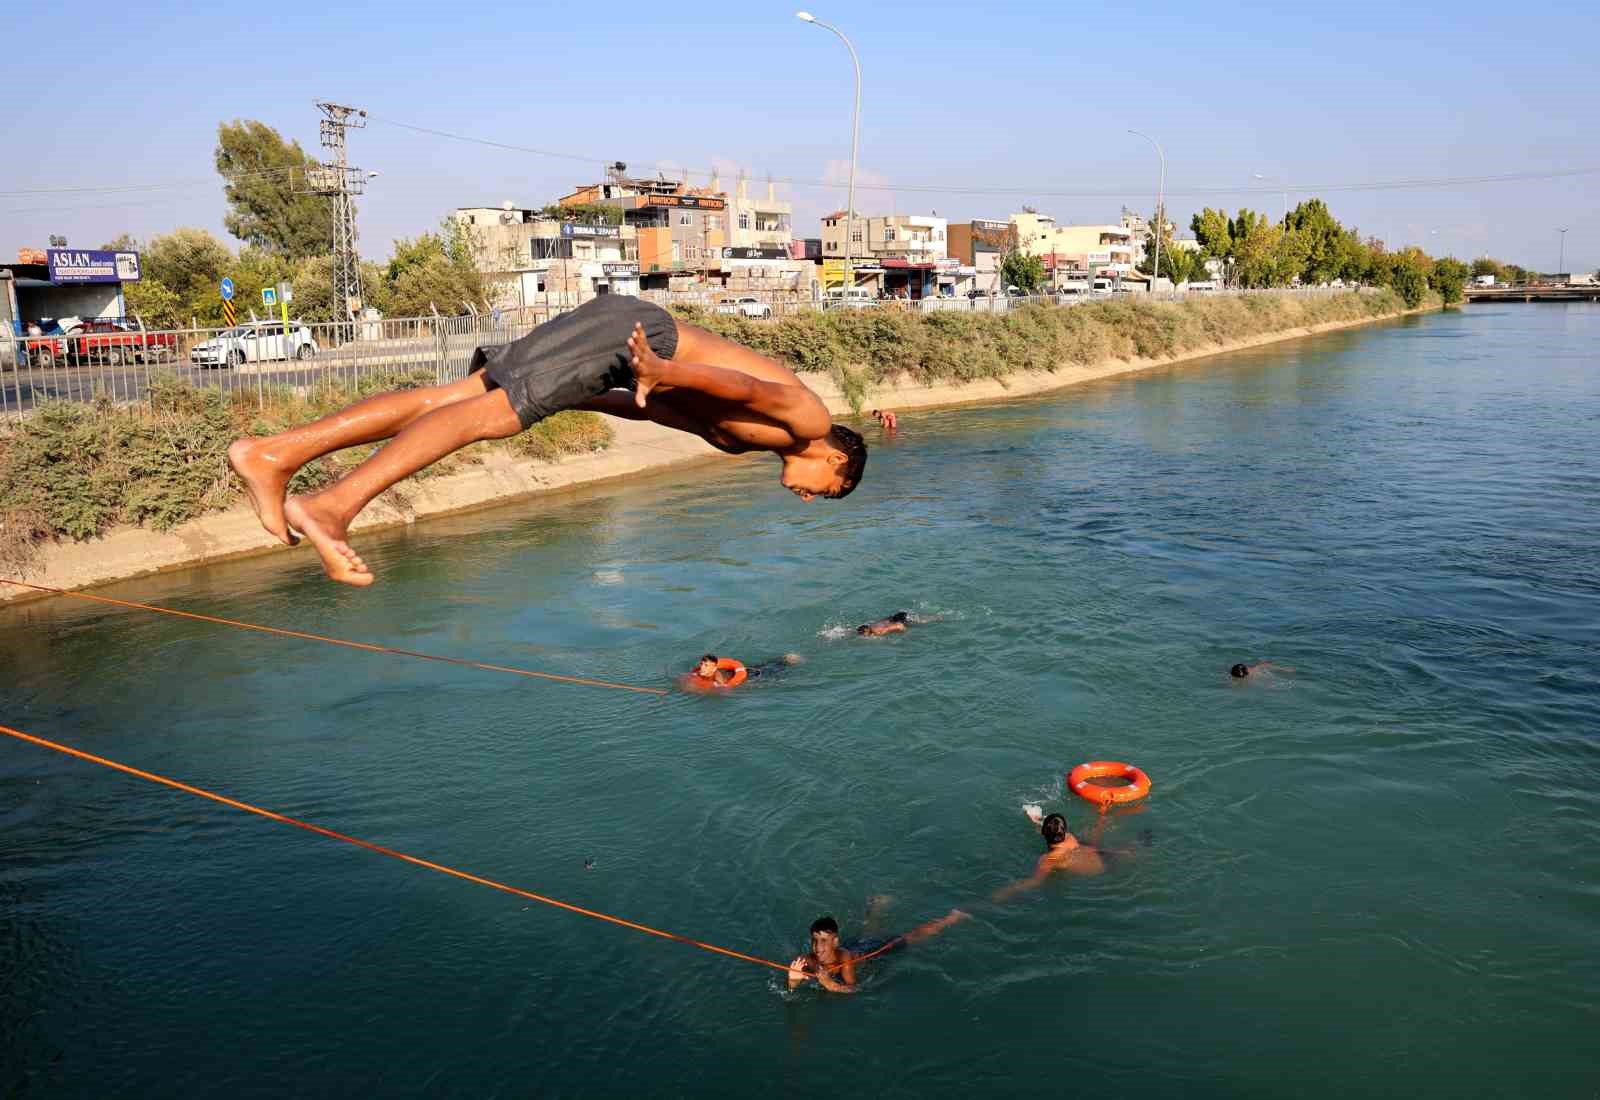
(1089,247)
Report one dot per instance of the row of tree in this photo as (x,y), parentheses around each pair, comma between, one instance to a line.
(1308,247)
(285,232)
(183,270)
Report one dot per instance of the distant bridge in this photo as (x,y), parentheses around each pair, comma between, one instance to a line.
(1567,293)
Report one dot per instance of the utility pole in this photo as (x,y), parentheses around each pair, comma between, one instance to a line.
(338,180)
(1561,264)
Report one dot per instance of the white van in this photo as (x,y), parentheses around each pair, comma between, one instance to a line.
(839,298)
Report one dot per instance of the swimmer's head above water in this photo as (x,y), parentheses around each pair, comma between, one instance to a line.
(707,668)
(1239,672)
(824,936)
(1054,830)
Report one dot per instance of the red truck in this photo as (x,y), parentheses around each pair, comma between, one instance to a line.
(115,343)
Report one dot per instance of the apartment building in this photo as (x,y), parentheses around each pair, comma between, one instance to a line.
(759,228)
(681,231)
(1092,247)
(978,246)
(530,259)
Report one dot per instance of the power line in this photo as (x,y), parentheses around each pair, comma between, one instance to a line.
(173,185)
(1052,191)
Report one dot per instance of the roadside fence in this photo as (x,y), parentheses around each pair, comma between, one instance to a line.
(257,357)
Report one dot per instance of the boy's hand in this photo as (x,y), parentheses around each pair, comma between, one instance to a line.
(648,367)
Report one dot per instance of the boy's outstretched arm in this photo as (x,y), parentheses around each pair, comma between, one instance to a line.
(795,407)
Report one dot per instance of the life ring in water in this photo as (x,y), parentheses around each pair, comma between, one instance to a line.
(737,674)
(1081,782)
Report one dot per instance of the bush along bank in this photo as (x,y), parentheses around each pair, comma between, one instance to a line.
(864,348)
(73,471)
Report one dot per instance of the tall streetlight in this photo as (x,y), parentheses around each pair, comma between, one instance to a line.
(1161,199)
(1561,264)
(1270,179)
(855,143)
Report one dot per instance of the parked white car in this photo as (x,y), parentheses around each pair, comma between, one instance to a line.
(753,308)
(255,342)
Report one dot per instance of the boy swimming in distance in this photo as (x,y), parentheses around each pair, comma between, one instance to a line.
(894,624)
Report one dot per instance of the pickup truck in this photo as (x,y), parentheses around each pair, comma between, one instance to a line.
(753,308)
(115,343)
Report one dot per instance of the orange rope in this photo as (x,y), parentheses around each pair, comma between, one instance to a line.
(381,850)
(368,646)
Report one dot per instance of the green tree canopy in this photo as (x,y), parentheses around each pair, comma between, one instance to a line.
(264,181)
(1255,248)
(436,271)
(1319,238)
(1214,232)
(1449,278)
(1024,272)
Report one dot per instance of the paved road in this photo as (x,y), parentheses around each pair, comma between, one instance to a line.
(21,390)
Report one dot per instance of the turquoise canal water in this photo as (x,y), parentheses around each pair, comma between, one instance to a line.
(1378,875)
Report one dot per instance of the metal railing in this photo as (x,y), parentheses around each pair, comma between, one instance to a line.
(257,359)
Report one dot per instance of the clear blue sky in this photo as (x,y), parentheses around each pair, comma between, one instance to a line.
(1030,95)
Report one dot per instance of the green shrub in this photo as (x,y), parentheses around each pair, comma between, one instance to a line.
(74,470)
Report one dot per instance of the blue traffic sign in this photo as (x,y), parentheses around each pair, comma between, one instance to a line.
(227,290)
(269,295)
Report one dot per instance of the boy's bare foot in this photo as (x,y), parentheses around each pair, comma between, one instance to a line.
(647,365)
(327,533)
(265,482)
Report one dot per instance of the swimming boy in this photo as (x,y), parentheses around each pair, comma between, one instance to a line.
(894,624)
(709,673)
(616,354)
(1264,668)
(1062,852)
(834,966)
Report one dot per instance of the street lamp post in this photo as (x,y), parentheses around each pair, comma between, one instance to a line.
(1161,199)
(855,143)
(1561,264)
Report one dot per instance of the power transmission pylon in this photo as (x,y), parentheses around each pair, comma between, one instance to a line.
(337,179)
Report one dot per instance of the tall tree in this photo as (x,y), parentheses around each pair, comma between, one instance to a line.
(1212,230)
(1449,278)
(1024,272)
(1320,237)
(264,180)
(1255,248)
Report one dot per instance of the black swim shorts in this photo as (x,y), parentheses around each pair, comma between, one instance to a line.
(578,355)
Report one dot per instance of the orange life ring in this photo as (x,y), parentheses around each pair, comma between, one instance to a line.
(1138,783)
(724,664)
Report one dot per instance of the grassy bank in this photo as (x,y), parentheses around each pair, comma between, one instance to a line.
(74,470)
(860,348)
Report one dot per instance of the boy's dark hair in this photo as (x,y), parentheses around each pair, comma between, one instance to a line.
(1053,829)
(1239,671)
(712,657)
(864,628)
(900,617)
(824,924)
(855,449)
